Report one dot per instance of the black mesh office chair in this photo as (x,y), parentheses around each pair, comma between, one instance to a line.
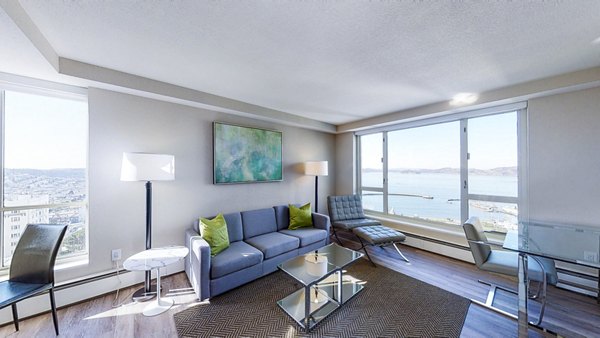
(32,267)
(541,270)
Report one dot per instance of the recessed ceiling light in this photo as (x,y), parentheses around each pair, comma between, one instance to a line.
(463,98)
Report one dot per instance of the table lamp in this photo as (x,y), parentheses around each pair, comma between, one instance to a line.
(147,167)
(316,169)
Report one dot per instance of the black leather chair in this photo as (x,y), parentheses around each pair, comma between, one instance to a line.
(346,213)
(32,267)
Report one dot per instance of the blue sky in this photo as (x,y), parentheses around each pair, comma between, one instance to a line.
(492,144)
(43,132)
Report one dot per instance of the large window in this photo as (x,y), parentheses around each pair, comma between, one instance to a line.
(44,169)
(493,171)
(423,174)
(441,172)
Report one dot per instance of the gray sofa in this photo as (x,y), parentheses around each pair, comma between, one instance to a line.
(259,241)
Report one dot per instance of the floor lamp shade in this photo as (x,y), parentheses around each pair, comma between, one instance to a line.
(316,169)
(147,167)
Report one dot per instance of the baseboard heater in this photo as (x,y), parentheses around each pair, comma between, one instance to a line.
(573,286)
(70,284)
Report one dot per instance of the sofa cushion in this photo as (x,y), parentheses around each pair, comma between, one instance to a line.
(258,222)
(238,256)
(274,243)
(307,236)
(282,215)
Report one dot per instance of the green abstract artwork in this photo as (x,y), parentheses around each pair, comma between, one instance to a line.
(244,154)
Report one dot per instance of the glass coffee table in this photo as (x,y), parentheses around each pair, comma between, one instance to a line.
(325,286)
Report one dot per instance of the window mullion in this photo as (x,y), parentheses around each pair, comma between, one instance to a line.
(2,232)
(523,165)
(464,171)
(385,173)
(358,166)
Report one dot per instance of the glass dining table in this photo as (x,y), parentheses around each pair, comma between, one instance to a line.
(567,243)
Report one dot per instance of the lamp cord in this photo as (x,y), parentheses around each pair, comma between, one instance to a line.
(115,303)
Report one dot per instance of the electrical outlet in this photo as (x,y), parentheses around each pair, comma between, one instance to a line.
(115,255)
(590,256)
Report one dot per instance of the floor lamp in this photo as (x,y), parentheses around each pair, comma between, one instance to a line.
(147,167)
(316,169)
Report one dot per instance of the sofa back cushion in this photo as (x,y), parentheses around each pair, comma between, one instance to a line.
(258,222)
(234,226)
(282,214)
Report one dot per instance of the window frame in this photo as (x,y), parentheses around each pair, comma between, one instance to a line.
(26,85)
(463,117)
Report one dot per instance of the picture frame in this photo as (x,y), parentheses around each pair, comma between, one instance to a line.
(246,154)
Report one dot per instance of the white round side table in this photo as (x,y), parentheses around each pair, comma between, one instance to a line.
(156,258)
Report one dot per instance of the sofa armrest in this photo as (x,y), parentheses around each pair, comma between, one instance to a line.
(197,264)
(321,221)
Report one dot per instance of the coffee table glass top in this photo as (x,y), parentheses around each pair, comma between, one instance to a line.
(328,259)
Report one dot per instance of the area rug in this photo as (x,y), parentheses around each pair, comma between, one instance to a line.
(391,305)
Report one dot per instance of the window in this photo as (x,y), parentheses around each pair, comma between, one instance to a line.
(44,169)
(424,174)
(492,175)
(442,171)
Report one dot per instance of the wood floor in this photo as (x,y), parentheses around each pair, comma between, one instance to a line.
(569,314)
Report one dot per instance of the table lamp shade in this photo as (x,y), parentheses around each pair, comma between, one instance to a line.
(316,168)
(147,167)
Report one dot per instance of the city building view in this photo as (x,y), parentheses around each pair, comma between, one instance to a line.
(55,196)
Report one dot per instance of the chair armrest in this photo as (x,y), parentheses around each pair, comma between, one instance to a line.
(321,221)
(197,265)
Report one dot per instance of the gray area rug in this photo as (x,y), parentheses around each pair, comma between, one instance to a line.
(391,305)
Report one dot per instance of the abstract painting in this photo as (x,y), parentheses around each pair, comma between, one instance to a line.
(246,155)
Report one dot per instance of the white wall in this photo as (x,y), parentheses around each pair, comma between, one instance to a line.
(122,123)
(345,152)
(564,158)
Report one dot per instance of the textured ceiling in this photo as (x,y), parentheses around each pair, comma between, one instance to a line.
(332,61)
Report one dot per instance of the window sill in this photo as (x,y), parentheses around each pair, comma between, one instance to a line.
(66,264)
(72,263)
(441,232)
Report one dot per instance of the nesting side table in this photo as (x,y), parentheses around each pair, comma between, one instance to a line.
(156,258)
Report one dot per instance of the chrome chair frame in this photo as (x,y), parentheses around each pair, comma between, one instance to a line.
(482,246)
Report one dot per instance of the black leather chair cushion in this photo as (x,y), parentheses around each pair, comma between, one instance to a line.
(354,223)
(379,234)
(11,292)
(345,207)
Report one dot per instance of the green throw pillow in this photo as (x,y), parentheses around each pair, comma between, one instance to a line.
(214,231)
(300,217)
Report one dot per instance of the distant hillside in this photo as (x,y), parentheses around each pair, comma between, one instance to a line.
(501,171)
(48,172)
